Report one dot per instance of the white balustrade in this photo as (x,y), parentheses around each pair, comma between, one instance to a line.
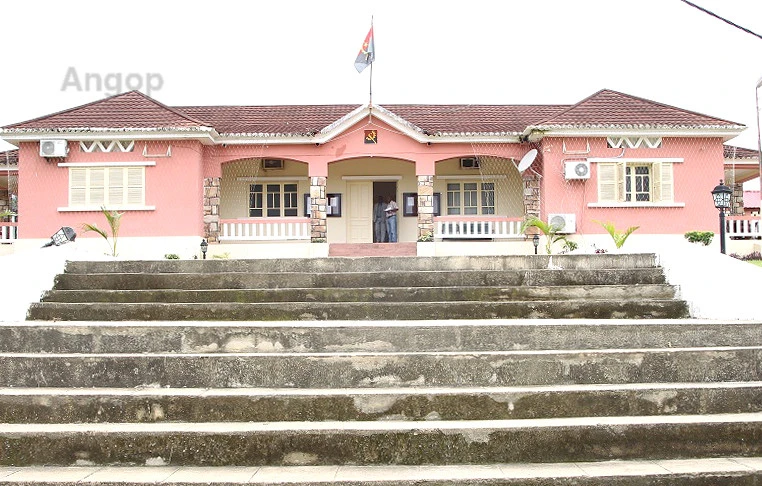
(9,229)
(743,227)
(477,228)
(280,229)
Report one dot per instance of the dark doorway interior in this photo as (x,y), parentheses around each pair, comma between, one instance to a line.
(383,189)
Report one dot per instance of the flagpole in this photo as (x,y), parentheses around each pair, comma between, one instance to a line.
(370,90)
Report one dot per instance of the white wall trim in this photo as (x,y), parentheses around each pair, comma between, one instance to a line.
(372,178)
(636,160)
(107,164)
(85,209)
(271,178)
(636,205)
(472,177)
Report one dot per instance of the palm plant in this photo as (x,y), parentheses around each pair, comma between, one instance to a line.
(114,220)
(618,237)
(549,230)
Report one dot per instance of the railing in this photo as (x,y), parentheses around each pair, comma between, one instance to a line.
(477,227)
(9,229)
(270,229)
(738,227)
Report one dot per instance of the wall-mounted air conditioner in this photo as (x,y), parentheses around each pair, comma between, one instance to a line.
(272,164)
(567,223)
(577,169)
(469,163)
(53,148)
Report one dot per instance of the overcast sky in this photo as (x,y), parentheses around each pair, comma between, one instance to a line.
(302,52)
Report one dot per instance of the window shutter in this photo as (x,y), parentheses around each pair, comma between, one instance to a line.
(77,187)
(607,182)
(620,175)
(135,185)
(665,182)
(115,185)
(97,187)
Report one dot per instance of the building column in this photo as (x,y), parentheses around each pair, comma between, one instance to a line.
(737,200)
(318,201)
(531,195)
(212,209)
(425,207)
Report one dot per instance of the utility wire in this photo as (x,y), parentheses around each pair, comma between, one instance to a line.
(721,18)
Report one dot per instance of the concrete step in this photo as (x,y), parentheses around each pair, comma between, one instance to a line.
(381,370)
(717,471)
(372,249)
(394,278)
(359,311)
(379,294)
(93,405)
(383,442)
(368,264)
(376,336)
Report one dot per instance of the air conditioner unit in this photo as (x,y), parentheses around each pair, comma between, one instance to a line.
(469,163)
(54,148)
(567,223)
(577,169)
(272,164)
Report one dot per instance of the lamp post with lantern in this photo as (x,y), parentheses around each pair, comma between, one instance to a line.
(721,195)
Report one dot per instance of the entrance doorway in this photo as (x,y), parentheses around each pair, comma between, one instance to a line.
(384,190)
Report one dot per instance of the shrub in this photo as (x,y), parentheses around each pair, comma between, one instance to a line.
(172,256)
(113,219)
(703,237)
(549,230)
(618,237)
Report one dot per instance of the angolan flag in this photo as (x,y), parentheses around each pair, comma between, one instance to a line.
(367,52)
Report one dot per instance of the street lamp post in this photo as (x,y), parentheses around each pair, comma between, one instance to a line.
(204,246)
(721,195)
(536,242)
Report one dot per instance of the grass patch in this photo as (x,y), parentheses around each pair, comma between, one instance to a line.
(756,262)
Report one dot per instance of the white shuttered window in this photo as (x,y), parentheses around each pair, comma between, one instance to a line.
(635,183)
(106,186)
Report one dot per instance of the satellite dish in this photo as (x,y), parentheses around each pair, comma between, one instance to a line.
(527,160)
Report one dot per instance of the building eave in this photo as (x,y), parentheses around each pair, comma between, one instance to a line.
(205,135)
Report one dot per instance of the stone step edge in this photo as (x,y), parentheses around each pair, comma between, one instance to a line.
(330,392)
(480,427)
(380,475)
(333,323)
(385,354)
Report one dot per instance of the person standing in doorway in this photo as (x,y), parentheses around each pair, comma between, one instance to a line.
(391,219)
(379,221)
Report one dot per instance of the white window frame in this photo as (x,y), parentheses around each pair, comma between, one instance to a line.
(265,208)
(102,184)
(611,182)
(463,196)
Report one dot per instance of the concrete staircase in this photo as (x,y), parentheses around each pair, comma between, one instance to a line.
(373,288)
(383,402)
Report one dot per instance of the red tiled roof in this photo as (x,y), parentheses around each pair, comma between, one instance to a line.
(9,158)
(443,119)
(732,152)
(297,119)
(751,199)
(609,108)
(606,108)
(124,111)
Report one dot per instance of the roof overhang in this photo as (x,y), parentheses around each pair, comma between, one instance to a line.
(205,135)
(724,132)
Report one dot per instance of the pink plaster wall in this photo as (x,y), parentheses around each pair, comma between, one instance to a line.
(694,180)
(173,186)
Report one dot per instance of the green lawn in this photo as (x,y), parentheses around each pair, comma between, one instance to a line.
(756,262)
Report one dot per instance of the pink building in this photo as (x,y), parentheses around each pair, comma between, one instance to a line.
(289,174)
